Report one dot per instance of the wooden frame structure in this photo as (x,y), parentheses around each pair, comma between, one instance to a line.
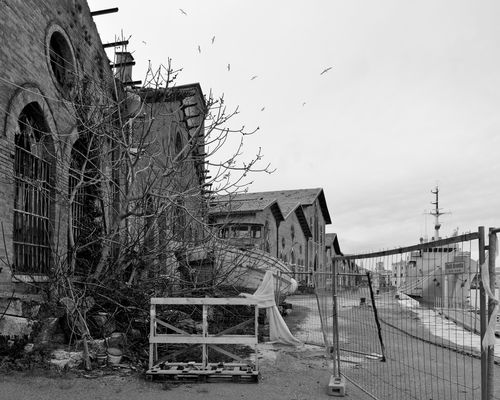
(241,369)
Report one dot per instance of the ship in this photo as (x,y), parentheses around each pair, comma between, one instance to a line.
(439,276)
(224,266)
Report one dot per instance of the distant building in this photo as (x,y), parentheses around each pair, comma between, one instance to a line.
(247,221)
(399,273)
(349,272)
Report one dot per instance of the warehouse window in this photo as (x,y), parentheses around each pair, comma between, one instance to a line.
(32,193)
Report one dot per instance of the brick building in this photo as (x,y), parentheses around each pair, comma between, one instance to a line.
(83,153)
(173,163)
(49,51)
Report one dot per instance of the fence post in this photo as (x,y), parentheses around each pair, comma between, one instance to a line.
(335,321)
(492,250)
(152,334)
(482,314)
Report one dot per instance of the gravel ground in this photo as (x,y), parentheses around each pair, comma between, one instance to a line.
(291,373)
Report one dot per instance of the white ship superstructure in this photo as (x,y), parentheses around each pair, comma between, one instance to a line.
(437,275)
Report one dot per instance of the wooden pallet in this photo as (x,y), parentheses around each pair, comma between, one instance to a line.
(238,370)
(192,371)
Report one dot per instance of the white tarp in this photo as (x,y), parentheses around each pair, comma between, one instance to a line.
(264,295)
(489,335)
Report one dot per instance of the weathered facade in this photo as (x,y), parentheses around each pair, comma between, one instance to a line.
(172,167)
(93,169)
(51,54)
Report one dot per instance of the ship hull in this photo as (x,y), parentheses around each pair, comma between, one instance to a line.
(231,267)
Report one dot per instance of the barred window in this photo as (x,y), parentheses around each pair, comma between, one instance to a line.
(77,190)
(178,220)
(32,194)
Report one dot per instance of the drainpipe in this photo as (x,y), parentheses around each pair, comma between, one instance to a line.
(277,238)
(306,253)
(306,269)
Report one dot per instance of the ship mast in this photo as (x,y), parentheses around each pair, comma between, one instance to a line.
(436,213)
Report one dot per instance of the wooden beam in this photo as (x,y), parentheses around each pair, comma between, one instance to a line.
(167,325)
(223,301)
(123,64)
(226,353)
(115,44)
(105,11)
(200,339)
(132,83)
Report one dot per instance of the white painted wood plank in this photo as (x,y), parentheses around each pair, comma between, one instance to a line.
(202,300)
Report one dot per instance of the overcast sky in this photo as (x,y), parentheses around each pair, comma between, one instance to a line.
(412,100)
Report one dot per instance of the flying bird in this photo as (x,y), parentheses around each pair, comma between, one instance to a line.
(303,104)
(213,40)
(263,108)
(182,11)
(253,77)
(325,70)
(199,49)
(229,67)
(144,42)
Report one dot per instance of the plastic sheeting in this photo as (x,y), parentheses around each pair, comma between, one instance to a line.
(264,295)
(489,335)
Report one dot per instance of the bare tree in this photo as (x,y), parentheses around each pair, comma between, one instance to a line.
(133,189)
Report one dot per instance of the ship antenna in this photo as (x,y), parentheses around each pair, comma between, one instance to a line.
(436,213)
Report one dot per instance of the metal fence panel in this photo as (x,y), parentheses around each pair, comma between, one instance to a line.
(407,321)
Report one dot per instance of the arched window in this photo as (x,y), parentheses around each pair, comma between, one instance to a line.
(76,189)
(178,219)
(84,212)
(33,197)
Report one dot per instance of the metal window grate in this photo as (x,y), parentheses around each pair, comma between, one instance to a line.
(77,205)
(32,200)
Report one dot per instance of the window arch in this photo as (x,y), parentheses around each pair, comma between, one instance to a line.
(61,58)
(84,213)
(33,192)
